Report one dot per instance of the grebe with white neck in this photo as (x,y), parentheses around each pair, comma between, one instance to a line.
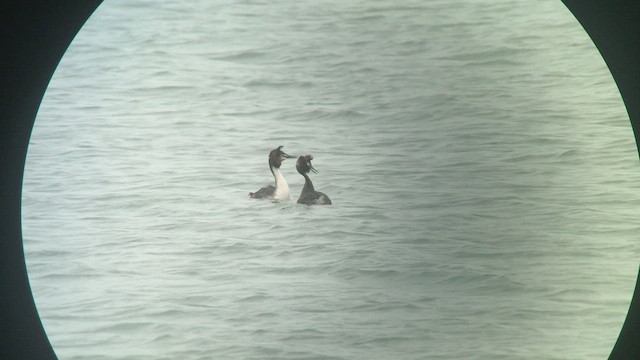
(280,192)
(309,196)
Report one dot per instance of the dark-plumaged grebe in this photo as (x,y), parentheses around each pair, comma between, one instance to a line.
(280,192)
(309,196)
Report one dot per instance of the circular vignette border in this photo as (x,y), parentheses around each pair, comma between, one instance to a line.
(33,37)
(35,34)
(614,27)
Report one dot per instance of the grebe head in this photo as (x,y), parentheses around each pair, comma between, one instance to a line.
(303,165)
(277,156)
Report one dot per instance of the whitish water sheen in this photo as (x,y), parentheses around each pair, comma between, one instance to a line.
(481,163)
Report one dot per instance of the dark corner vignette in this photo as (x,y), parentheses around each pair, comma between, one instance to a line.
(34,36)
(614,27)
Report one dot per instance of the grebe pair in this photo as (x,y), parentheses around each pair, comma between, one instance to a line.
(280,192)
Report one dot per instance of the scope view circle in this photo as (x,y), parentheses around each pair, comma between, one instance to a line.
(392,292)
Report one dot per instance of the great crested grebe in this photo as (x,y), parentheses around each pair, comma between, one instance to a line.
(309,196)
(279,192)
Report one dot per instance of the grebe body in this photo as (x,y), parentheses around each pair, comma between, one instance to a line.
(279,192)
(309,196)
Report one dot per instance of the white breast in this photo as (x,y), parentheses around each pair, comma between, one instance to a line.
(282,188)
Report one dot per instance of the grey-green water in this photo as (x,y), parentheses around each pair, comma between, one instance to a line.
(480,160)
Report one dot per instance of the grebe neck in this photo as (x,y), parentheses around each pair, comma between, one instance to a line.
(308,185)
(282,188)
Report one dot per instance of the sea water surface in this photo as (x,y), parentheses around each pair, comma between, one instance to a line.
(479,157)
